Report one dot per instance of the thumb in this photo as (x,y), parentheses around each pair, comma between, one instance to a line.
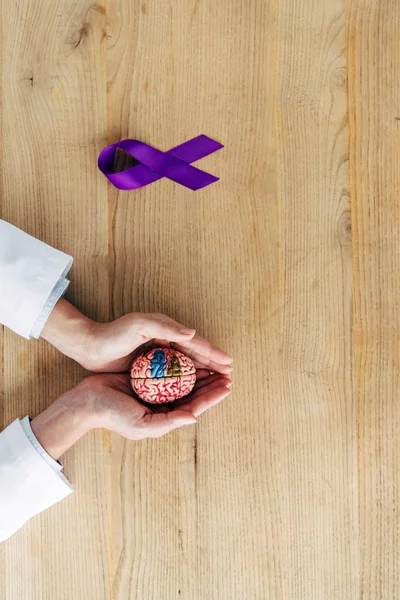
(158,424)
(162,327)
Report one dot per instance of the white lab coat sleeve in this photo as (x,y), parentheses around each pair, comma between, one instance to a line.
(28,482)
(32,280)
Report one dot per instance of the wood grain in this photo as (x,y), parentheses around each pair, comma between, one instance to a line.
(374,58)
(320,519)
(289,489)
(53,103)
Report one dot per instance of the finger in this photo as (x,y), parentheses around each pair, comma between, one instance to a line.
(171,406)
(159,424)
(160,326)
(202,374)
(211,366)
(210,384)
(203,348)
(224,379)
(204,352)
(214,384)
(206,399)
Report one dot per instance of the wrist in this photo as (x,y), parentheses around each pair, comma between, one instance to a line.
(71,332)
(64,422)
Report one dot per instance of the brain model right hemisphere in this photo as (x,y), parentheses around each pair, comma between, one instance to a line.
(162,375)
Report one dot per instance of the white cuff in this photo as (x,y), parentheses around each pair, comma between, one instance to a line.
(28,484)
(26,426)
(58,291)
(32,279)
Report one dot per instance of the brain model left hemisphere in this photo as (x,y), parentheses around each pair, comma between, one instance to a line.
(162,375)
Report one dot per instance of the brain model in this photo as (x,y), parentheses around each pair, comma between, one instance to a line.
(162,375)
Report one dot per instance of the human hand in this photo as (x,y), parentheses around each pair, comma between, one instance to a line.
(118,409)
(108,401)
(112,347)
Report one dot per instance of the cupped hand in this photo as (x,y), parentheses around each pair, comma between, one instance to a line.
(112,347)
(115,407)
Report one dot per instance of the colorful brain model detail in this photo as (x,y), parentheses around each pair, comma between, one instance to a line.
(162,375)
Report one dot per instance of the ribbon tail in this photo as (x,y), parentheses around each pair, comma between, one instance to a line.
(195,149)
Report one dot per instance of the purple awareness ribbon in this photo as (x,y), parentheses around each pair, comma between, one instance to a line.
(174,164)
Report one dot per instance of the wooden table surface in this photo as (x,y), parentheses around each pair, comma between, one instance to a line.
(290,488)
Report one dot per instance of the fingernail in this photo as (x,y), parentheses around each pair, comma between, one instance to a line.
(188,331)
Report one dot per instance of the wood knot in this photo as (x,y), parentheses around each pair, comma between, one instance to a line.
(76,38)
(344,228)
(339,78)
(98,8)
